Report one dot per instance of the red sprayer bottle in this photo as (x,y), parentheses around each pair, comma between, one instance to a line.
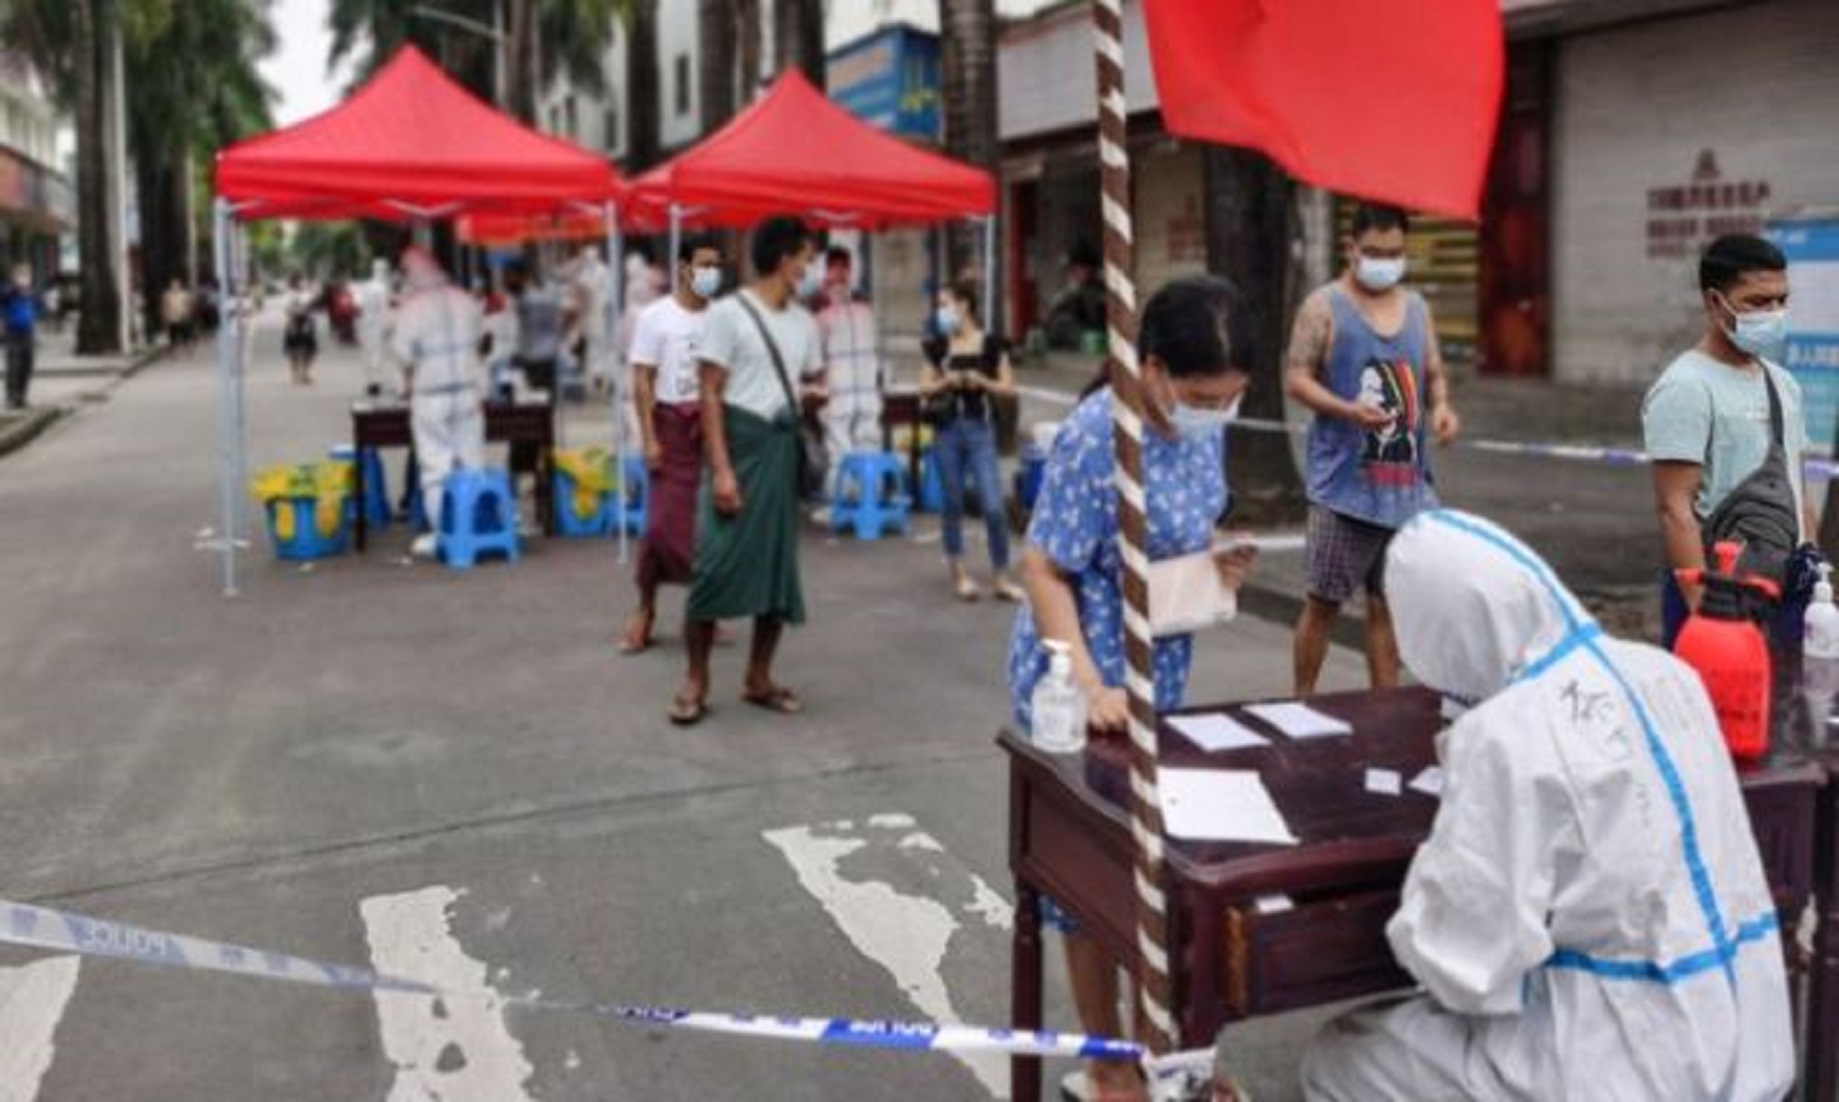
(1729,651)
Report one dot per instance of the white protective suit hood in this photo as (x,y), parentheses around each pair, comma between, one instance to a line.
(1473,607)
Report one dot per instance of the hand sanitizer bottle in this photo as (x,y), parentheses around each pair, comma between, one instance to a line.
(1820,653)
(1059,709)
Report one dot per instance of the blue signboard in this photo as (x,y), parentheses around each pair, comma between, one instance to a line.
(1812,352)
(890,79)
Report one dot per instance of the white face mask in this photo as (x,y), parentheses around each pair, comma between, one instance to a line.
(810,281)
(1377,274)
(1194,422)
(947,318)
(705,282)
(1757,332)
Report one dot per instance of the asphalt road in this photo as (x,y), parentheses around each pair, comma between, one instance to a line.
(455,775)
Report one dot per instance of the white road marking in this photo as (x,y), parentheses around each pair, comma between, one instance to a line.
(445,1050)
(909,935)
(32,1001)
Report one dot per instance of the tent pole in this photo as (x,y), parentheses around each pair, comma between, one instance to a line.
(226,352)
(989,274)
(616,297)
(239,259)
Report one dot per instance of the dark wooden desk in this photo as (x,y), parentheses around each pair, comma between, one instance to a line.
(387,426)
(1069,837)
(1821,1083)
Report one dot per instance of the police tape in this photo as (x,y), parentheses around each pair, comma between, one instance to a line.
(61,931)
(1815,467)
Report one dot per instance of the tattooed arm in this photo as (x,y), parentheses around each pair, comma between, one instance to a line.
(1310,339)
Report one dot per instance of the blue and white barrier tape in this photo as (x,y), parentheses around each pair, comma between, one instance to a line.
(1816,468)
(60,931)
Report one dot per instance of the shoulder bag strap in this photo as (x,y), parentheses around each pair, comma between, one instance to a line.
(1775,407)
(772,349)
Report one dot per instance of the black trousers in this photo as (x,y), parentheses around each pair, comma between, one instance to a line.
(18,368)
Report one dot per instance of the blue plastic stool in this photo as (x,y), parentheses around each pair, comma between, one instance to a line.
(871,494)
(932,483)
(376,486)
(307,544)
(1028,478)
(478,516)
(571,522)
(633,498)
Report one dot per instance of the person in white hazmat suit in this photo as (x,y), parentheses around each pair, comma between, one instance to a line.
(852,367)
(436,338)
(1589,918)
(373,326)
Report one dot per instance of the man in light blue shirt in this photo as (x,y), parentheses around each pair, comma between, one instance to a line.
(1706,420)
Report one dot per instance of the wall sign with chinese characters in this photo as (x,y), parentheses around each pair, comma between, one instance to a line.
(1683,218)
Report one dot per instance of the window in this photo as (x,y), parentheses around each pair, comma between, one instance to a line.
(683,83)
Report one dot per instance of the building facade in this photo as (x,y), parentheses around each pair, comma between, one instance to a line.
(36,202)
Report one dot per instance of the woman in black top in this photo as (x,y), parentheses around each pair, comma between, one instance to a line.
(967,370)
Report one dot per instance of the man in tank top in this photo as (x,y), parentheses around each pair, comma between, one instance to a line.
(1364,358)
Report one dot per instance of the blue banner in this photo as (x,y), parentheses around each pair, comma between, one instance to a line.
(1812,351)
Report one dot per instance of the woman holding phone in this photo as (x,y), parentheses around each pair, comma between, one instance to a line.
(1195,345)
(966,370)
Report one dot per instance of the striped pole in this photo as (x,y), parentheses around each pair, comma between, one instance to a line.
(1152,957)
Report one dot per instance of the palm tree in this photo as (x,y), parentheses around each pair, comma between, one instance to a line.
(968,79)
(642,91)
(798,37)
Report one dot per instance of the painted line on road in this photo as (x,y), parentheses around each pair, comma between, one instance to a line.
(32,1001)
(444,1049)
(908,935)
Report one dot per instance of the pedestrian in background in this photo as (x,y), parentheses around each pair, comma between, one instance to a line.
(373,303)
(1364,357)
(966,370)
(852,366)
(668,398)
(300,340)
(757,344)
(176,311)
(20,305)
(1724,421)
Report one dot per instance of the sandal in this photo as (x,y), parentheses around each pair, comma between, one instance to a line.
(688,711)
(967,591)
(1007,590)
(776,699)
(637,639)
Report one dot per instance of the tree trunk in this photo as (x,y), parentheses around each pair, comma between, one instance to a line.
(715,46)
(968,59)
(643,92)
(1248,242)
(747,30)
(99,324)
(520,72)
(798,38)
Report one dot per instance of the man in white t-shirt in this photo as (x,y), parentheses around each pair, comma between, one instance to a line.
(665,396)
(757,346)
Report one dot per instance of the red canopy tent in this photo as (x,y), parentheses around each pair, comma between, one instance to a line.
(795,151)
(409,144)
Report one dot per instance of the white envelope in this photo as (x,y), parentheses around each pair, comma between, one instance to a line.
(1187,595)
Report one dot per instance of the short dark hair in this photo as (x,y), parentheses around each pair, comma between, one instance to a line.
(689,246)
(775,239)
(837,254)
(1735,255)
(1197,325)
(1379,216)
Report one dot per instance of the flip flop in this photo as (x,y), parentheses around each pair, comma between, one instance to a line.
(633,643)
(777,699)
(687,713)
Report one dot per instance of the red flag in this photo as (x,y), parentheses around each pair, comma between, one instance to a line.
(1394,101)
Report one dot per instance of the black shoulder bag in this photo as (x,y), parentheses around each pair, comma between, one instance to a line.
(810,476)
(1760,513)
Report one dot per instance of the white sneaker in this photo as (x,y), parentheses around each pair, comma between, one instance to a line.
(423,546)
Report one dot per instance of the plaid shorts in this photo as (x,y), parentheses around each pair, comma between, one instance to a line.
(1343,553)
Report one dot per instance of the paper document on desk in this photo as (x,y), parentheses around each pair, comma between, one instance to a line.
(1221,805)
(1429,782)
(1216,732)
(1298,720)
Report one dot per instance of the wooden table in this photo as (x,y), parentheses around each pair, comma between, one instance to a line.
(1069,837)
(386,425)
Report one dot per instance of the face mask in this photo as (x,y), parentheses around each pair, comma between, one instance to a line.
(1193,422)
(1378,275)
(704,282)
(1757,332)
(809,282)
(947,318)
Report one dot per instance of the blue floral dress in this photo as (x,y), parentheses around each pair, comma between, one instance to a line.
(1075,525)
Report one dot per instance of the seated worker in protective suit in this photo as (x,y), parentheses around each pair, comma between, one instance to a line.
(1589,918)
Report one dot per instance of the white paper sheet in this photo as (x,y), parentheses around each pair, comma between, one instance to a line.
(1221,805)
(1267,543)
(1384,782)
(1215,732)
(1300,720)
(1429,782)
(1274,904)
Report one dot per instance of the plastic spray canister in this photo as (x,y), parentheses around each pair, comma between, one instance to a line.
(1820,652)
(1729,652)
(1059,708)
